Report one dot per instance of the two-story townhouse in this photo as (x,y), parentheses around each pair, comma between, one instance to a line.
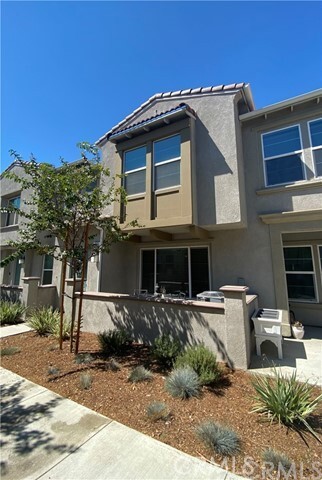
(224,194)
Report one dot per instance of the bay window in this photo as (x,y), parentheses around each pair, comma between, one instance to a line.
(134,169)
(166,160)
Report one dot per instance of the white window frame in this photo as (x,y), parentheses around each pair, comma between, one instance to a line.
(189,262)
(134,170)
(176,159)
(283,155)
(15,214)
(319,147)
(313,272)
(47,270)
(320,258)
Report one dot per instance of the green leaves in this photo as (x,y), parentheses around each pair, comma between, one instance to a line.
(285,400)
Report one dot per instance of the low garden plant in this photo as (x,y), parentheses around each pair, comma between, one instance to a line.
(166,350)
(157,411)
(83,358)
(85,381)
(183,382)
(284,399)
(277,459)
(140,374)
(46,321)
(218,437)
(203,361)
(53,371)
(113,342)
(6,351)
(11,312)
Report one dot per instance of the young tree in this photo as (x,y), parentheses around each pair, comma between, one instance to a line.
(66,209)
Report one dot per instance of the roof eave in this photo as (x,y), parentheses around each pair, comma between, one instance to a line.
(315,94)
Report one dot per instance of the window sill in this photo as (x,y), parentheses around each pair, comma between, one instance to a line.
(314,183)
(165,191)
(138,196)
(306,304)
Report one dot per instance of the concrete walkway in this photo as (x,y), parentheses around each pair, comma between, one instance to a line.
(46,436)
(303,356)
(10,330)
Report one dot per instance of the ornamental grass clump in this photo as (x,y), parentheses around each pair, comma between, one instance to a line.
(220,438)
(166,350)
(285,400)
(140,374)
(85,381)
(277,459)
(203,361)
(113,342)
(183,382)
(83,358)
(6,351)
(11,312)
(157,411)
(44,320)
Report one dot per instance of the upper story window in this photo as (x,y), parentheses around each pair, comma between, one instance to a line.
(166,161)
(135,170)
(12,217)
(282,153)
(315,128)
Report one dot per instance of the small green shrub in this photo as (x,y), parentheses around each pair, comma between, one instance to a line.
(285,400)
(157,411)
(276,458)
(83,358)
(11,312)
(140,374)
(44,320)
(218,437)
(113,365)
(55,331)
(85,381)
(166,349)
(53,371)
(183,383)
(6,351)
(203,361)
(113,341)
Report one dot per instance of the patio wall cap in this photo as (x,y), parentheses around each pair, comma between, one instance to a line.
(27,279)
(234,288)
(71,280)
(51,285)
(15,287)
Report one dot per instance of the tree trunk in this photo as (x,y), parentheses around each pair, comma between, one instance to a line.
(72,323)
(80,306)
(62,298)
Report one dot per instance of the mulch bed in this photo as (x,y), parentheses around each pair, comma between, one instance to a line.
(112,395)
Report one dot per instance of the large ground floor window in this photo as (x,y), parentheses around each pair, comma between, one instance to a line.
(300,274)
(178,271)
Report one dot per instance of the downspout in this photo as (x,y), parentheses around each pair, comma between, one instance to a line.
(100,254)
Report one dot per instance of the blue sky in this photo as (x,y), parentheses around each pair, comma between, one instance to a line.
(71,70)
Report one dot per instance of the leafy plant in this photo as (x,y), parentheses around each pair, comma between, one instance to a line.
(285,400)
(113,341)
(44,320)
(85,381)
(218,437)
(11,312)
(166,349)
(113,365)
(276,458)
(203,361)
(140,374)
(83,358)
(55,331)
(53,371)
(157,411)
(183,382)
(6,351)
